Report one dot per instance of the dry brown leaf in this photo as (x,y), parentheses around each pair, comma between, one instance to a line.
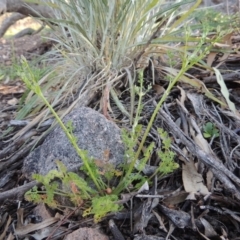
(2,236)
(203,144)
(227,44)
(42,211)
(26,229)
(199,85)
(174,200)
(226,41)
(208,229)
(6,89)
(13,102)
(196,100)
(158,89)
(211,57)
(191,196)
(23,230)
(192,180)
(183,96)
(209,180)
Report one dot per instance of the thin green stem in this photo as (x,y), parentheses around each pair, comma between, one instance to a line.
(73,141)
(140,94)
(124,182)
(188,62)
(156,110)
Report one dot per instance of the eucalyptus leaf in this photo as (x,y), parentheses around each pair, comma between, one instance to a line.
(224,90)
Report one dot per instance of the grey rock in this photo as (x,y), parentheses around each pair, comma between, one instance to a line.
(94,133)
(86,234)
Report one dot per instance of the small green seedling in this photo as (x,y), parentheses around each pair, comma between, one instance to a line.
(167,165)
(210,130)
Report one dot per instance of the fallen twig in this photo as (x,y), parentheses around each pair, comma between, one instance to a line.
(212,161)
(18,192)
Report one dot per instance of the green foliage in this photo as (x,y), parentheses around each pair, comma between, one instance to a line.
(70,185)
(166,155)
(75,187)
(172,59)
(213,19)
(70,126)
(10,71)
(94,169)
(131,140)
(36,196)
(51,183)
(133,172)
(32,83)
(106,32)
(13,71)
(101,206)
(7,72)
(189,57)
(102,170)
(140,91)
(210,130)
(99,39)
(146,156)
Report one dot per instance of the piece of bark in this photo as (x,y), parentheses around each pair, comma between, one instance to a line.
(17,193)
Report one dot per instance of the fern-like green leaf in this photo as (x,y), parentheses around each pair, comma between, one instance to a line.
(103,205)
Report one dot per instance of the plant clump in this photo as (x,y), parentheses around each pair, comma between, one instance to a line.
(120,50)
